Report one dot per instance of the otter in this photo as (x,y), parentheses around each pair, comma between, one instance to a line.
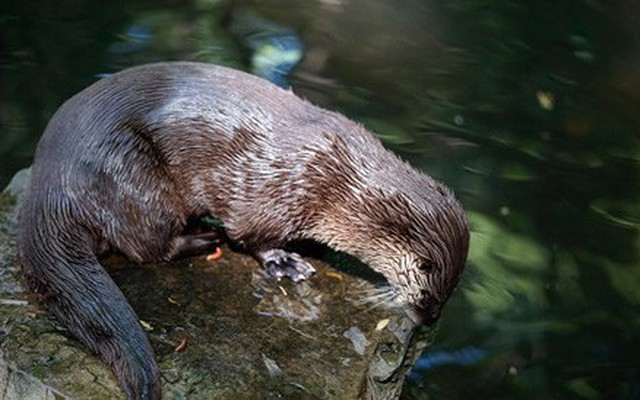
(125,164)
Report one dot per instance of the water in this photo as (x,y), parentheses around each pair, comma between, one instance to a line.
(528,110)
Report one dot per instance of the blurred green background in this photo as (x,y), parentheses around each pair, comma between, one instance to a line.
(530,111)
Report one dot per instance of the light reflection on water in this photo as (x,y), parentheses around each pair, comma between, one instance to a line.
(527,110)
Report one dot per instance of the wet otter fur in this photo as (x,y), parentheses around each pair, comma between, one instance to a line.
(127,162)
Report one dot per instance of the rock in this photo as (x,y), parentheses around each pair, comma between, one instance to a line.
(239,334)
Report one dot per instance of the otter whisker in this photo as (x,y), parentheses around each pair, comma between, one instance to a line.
(375,297)
(389,302)
(371,299)
(372,290)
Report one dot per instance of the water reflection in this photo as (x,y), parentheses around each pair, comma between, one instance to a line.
(275,49)
(528,110)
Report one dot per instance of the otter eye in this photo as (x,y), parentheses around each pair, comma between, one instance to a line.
(427,266)
(430,302)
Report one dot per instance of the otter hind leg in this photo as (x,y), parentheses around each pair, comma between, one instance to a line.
(279,263)
(190,245)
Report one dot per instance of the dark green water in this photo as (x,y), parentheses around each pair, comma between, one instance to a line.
(530,111)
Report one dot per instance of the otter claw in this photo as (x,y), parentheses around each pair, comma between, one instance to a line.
(279,263)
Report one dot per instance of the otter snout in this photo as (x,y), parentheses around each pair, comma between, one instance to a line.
(423,316)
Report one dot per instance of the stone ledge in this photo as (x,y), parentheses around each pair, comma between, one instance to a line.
(247,336)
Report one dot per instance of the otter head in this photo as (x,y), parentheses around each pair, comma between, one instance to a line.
(420,246)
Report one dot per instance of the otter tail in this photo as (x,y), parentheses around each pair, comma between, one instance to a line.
(64,273)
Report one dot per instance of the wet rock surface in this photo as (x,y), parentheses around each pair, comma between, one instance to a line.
(220,329)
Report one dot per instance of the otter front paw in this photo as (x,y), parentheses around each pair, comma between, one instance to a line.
(279,263)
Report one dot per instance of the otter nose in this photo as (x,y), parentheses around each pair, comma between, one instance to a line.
(422,316)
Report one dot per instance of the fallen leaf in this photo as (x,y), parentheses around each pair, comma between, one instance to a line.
(334,275)
(182,346)
(147,326)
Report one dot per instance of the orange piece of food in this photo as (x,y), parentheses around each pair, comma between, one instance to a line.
(214,256)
